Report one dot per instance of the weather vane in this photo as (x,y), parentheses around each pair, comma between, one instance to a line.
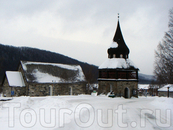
(118,16)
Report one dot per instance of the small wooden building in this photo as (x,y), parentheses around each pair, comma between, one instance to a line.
(118,74)
(44,79)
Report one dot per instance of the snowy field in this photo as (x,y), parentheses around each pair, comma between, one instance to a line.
(86,112)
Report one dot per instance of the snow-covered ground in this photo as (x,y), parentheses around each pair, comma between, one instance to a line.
(86,112)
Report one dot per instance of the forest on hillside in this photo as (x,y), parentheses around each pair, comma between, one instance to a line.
(11,56)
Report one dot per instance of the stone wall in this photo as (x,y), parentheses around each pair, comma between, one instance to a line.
(57,89)
(44,89)
(6,88)
(18,91)
(118,87)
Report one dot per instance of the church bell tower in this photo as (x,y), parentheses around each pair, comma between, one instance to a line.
(118,73)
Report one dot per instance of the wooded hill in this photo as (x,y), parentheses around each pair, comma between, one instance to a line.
(10,57)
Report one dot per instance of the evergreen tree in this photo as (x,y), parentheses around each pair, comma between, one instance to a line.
(164,55)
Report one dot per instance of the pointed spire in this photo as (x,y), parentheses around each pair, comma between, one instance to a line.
(122,50)
(118,35)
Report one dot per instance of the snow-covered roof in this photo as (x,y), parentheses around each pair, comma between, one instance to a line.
(143,86)
(165,88)
(117,63)
(40,72)
(15,79)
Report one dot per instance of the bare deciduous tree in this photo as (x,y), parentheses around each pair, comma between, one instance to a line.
(164,55)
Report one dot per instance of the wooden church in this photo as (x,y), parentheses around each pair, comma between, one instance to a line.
(118,74)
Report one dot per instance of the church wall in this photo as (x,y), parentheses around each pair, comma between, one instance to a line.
(44,89)
(118,87)
(57,89)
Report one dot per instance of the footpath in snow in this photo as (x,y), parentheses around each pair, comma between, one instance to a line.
(86,112)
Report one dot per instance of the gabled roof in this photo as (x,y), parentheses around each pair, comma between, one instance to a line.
(15,79)
(40,72)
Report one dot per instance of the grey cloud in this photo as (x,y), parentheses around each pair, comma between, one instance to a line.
(10,9)
(143,23)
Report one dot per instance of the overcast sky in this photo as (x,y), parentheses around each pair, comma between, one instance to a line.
(84,29)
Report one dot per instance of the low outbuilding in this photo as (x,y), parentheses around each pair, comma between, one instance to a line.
(164,90)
